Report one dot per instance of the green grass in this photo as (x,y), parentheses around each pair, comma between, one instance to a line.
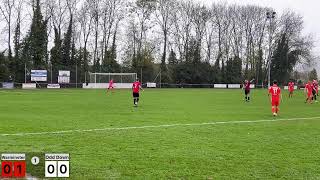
(264,150)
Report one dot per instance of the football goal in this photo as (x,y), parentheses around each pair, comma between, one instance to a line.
(101,80)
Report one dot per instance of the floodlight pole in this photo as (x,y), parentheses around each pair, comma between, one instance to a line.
(25,72)
(270,16)
(160,78)
(95,80)
(76,74)
(141,75)
(85,77)
(51,71)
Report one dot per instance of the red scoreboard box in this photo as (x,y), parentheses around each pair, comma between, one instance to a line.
(13,165)
(34,165)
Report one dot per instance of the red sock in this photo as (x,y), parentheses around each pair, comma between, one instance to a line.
(277,109)
(273,110)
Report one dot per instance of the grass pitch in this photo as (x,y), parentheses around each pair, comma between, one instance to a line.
(261,150)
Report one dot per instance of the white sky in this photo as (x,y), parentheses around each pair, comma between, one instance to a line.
(309,9)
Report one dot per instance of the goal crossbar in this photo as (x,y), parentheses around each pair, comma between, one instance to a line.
(101,80)
(116,74)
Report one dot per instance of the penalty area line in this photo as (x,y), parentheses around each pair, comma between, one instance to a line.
(155,126)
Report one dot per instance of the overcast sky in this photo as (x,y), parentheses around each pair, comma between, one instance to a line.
(309,9)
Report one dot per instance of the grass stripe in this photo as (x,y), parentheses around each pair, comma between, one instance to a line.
(155,126)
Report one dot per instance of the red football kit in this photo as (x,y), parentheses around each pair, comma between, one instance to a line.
(316,86)
(247,86)
(309,88)
(291,86)
(136,87)
(110,84)
(275,92)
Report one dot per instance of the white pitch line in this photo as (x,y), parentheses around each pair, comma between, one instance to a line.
(155,126)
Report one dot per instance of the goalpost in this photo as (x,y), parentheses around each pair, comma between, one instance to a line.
(101,80)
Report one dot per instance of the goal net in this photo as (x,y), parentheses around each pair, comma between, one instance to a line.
(101,80)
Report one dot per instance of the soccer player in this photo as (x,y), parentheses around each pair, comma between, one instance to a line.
(136,87)
(111,87)
(275,93)
(291,89)
(317,87)
(315,90)
(308,90)
(246,87)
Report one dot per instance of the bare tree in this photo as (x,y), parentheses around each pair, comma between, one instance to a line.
(95,11)
(182,27)
(143,10)
(6,8)
(236,31)
(58,12)
(209,36)
(85,19)
(164,11)
(17,34)
(113,13)
(291,24)
(219,13)
(200,18)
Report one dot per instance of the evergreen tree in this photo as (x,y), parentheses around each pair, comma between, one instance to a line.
(4,71)
(173,62)
(165,75)
(172,58)
(66,46)
(184,73)
(223,72)
(259,69)
(193,70)
(313,75)
(144,63)
(217,70)
(16,66)
(82,64)
(35,43)
(73,53)
(233,70)
(283,60)
(56,51)
(110,64)
(73,62)
(26,56)
(147,66)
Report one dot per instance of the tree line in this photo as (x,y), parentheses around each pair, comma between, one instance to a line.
(185,41)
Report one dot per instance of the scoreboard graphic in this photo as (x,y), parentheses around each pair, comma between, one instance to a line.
(13,165)
(35,165)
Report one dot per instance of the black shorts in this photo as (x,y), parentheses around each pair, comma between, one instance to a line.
(246,91)
(314,92)
(135,95)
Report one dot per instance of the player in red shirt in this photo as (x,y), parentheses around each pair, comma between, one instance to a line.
(315,90)
(275,93)
(317,86)
(246,87)
(111,86)
(291,89)
(136,87)
(308,90)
